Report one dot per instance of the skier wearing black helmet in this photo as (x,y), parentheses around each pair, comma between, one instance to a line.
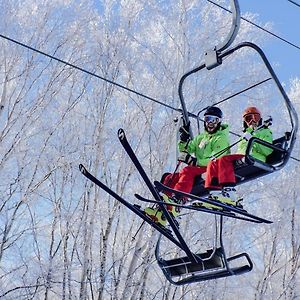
(210,114)
(195,152)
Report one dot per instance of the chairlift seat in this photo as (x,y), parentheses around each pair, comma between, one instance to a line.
(249,168)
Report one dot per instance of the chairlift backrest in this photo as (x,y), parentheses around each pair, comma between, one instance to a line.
(276,157)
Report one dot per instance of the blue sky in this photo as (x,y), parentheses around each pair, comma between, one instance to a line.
(284,16)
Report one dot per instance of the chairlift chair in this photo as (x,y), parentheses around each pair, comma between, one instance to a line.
(250,168)
(213,263)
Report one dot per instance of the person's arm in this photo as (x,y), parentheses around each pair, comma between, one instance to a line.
(188,146)
(265,135)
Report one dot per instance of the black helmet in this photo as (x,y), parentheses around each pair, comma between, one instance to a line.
(214,111)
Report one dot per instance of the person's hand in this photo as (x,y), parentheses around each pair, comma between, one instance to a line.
(187,158)
(184,133)
(247,136)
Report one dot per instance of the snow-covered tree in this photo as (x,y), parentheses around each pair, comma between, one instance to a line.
(63,238)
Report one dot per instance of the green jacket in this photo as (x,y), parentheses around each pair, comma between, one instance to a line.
(206,145)
(259,151)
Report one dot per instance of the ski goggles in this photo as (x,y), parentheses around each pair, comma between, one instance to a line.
(252,117)
(212,119)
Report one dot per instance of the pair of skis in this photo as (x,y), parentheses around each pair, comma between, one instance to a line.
(133,207)
(223,209)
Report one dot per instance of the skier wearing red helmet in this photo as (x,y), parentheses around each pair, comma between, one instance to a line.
(220,176)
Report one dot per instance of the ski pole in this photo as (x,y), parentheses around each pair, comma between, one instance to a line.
(265,124)
(224,150)
(133,238)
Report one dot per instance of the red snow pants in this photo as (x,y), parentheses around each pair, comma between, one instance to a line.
(220,172)
(184,180)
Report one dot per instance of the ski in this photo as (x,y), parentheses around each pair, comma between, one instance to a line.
(127,147)
(133,207)
(161,187)
(202,209)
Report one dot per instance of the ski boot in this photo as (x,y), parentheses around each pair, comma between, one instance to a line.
(156,214)
(227,196)
(198,203)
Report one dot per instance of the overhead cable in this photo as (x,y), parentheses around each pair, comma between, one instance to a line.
(115,83)
(83,70)
(294,2)
(256,25)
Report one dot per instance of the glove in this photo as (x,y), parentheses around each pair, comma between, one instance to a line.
(268,122)
(184,134)
(247,136)
(187,158)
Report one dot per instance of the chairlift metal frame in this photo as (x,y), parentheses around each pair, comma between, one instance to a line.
(213,263)
(251,168)
(291,110)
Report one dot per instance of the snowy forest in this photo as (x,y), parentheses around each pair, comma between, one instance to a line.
(61,237)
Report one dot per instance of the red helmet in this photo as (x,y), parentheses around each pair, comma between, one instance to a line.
(251,113)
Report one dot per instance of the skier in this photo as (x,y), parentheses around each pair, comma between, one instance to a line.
(220,177)
(214,139)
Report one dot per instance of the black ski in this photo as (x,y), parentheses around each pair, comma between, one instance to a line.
(155,194)
(161,187)
(134,208)
(202,209)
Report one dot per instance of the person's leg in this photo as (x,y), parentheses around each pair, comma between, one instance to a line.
(226,177)
(186,178)
(170,180)
(183,182)
(212,173)
(155,212)
(226,169)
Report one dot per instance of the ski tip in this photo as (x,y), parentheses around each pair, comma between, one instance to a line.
(137,196)
(121,133)
(82,168)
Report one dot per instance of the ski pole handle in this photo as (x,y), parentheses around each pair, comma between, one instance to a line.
(268,122)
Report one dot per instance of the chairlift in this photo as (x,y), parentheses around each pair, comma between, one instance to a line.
(249,168)
(214,263)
